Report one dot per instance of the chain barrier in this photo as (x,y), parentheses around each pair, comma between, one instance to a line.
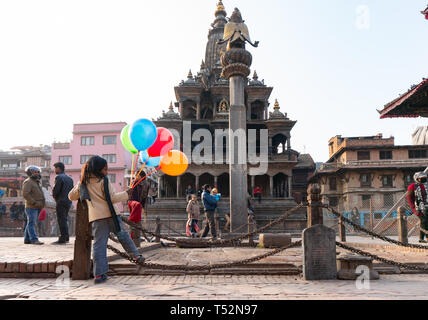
(358,227)
(204,267)
(375,257)
(223,241)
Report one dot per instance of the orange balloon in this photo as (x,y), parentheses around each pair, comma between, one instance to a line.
(174,163)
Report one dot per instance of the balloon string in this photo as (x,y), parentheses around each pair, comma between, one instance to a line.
(136,184)
(144,165)
(133,168)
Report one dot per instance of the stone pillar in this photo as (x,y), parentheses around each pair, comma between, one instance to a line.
(237,171)
(236,62)
(315,215)
(271,186)
(178,187)
(160,187)
(196,184)
(198,110)
(253,185)
(180,109)
(290,185)
(248,110)
(216,180)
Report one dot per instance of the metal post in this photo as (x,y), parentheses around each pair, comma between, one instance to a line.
(250,229)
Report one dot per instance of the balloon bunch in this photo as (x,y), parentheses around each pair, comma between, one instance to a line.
(153,147)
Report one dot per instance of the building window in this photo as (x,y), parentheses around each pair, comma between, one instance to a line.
(417,154)
(363,155)
(109,140)
(388,200)
(111,158)
(385,155)
(408,180)
(387,181)
(365,180)
(65,159)
(87,141)
(84,158)
(366,201)
(111,178)
(333,201)
(333,184)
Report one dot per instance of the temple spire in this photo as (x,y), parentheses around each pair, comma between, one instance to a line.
(220,14)
(276,106)
(190,75)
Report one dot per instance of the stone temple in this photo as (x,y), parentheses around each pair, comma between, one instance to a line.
(203,103)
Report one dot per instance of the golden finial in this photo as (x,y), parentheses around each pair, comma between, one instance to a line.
(220,5)
(190,75)
(276,107)
(171,108)
(255,76)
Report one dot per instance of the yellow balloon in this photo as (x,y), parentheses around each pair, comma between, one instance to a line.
(174,163)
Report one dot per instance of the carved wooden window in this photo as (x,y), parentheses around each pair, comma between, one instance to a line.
(385,155)
(365,180)
(363,155)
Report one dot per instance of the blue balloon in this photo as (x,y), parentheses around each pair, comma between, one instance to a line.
(143,134)
(1,192)
(151,161)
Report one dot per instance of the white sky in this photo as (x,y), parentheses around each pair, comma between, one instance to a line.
(65,62)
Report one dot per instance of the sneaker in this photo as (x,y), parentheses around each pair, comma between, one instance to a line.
(423,241)
(27,242)
(37,242)
(100,279)
(59,242)
(140,259)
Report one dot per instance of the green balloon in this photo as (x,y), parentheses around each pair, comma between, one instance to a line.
(126,142)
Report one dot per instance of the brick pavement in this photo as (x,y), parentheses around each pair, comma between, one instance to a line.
(210,287)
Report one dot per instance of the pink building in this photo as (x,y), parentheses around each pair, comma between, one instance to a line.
(102,139)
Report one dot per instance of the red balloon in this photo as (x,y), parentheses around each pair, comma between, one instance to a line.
(163,144)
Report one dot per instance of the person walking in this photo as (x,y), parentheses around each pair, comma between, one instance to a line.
(210,204)
(13,211)
(100,196)
(417,197)
(63,186)
(34,203)
(193,211)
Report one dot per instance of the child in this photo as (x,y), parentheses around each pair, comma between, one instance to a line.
(193,210)
(215,194)
(91,189)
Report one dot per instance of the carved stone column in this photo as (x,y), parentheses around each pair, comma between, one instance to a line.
(315,214)
(236,62)
(271,186)
(196,184)
(160,187)
(198,110)
(290,183)
(178,186)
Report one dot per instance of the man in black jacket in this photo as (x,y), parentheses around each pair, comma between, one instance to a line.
(63,185)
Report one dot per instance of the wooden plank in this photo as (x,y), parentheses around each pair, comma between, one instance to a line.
(45,267)
(30,267)
(2,267)
(82,244)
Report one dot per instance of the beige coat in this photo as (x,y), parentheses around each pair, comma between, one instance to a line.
(98,207)
(193,209)
(33,194)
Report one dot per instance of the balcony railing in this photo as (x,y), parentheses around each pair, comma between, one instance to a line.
(375,163)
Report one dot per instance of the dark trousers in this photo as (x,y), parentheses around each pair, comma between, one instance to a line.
(424,225)
(209,216)
(62,217)
(259,197)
